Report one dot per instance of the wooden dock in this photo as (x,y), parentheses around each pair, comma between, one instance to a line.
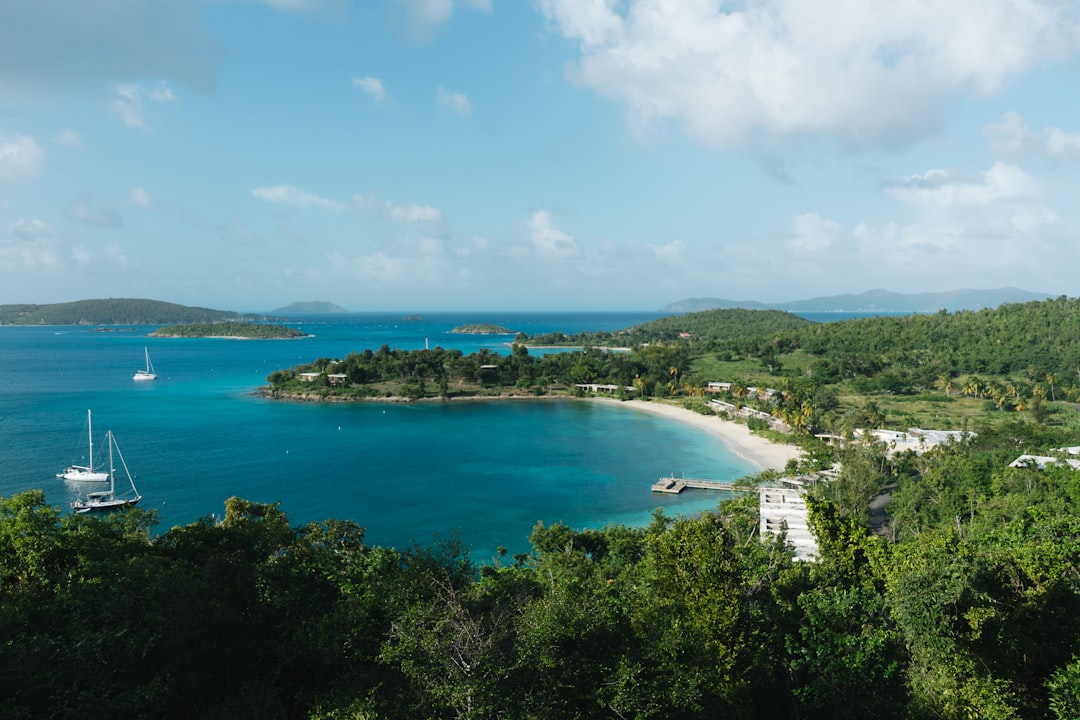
(674,485)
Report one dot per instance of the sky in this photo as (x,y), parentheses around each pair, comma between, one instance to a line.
(425,155)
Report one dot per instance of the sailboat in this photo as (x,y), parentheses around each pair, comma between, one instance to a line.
(107,499)
(85,473)
(148,373)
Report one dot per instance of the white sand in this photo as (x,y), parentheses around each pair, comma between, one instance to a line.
(763,454)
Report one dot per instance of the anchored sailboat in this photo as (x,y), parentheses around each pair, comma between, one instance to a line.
(85,473)
(107,499)
(148,373)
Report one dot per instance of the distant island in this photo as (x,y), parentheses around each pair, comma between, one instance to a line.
(309,308)
(482,329)
(112,311)
(873,301)
(244,330)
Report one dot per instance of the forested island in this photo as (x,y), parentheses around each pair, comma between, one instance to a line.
(481,329)
(240,330)
(958,598)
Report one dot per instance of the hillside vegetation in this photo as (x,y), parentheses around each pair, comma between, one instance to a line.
(113,311)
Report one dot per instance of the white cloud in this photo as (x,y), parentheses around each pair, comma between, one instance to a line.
(454,102)
(671,253)
(86,211)
(548,238)
(69,138)
(289,195)
(128,102)
(30,229)
(20,158)
(372,86)
(28,245)
(1062,145)
(139,198)
(421,19)
(868,72)
(411,214)
(811,233)
(162,93)
(1013,138)
(941,189)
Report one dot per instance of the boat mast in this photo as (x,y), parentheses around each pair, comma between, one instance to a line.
(112,480)
(90,428)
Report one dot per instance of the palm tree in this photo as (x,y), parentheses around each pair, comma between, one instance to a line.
(1050,378)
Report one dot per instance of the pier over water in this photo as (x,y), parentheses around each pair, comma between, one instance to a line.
(673,485)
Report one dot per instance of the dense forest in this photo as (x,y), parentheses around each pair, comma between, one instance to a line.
(947,584)
(113,311)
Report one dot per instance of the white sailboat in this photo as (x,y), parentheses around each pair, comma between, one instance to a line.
(148,373)
(85,473)
(107,499)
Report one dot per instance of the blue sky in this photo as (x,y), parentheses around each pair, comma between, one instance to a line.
(535,154)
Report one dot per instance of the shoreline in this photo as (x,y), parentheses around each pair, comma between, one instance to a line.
(763,454)
(756,450)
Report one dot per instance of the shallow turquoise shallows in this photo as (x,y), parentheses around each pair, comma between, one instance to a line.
(487,471)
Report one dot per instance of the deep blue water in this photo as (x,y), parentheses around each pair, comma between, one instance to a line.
(198,435)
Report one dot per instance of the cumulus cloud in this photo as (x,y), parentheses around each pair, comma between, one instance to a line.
(455,102)
(30,229)
(372,86)
(1013,138)
(28,245)
(811,233)
(289,195)
(411,214)
(876,71)
(548,238)
(86,211)
(128,102)
(20,158)
(942,189)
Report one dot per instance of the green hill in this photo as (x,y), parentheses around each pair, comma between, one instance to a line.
(111,311)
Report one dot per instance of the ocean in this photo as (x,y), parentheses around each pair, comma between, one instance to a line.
(484,471)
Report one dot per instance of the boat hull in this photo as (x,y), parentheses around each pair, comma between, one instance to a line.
(82,507)
(82,474)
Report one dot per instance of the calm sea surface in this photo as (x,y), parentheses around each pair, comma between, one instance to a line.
(196,436)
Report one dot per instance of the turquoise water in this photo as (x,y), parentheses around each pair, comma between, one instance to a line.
(408,473)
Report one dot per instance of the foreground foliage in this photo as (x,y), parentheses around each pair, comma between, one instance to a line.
(965,603)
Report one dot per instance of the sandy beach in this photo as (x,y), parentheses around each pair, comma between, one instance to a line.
(763,454)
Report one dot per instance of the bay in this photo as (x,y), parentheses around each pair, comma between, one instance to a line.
(485,470)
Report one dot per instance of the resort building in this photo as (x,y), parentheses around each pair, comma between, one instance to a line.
(782,508)
(600,389)
(1041,461)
